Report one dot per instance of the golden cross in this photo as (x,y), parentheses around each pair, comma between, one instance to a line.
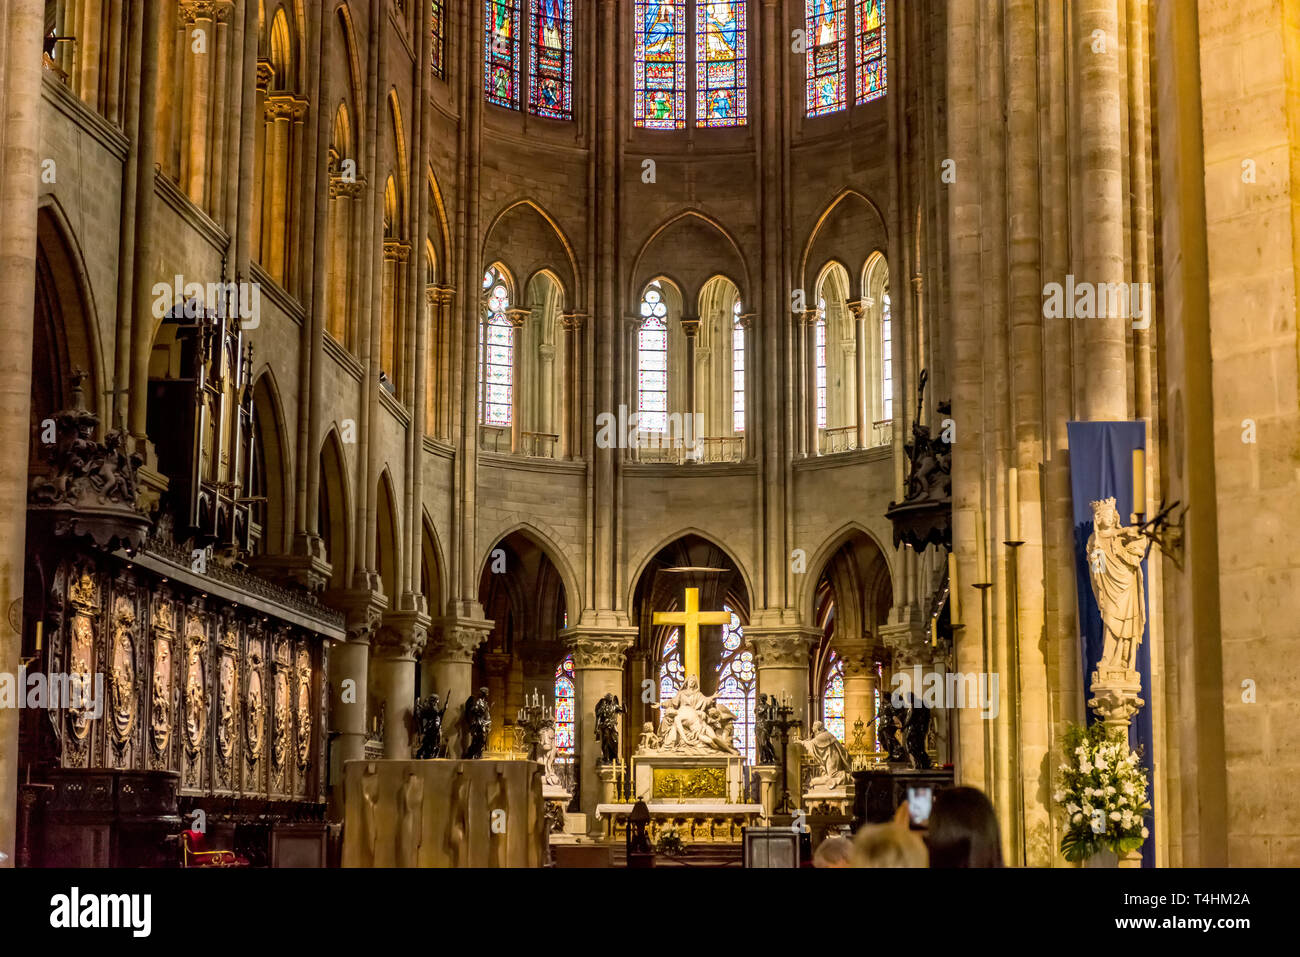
(692,618)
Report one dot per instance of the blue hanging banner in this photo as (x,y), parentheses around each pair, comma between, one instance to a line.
(1101,467)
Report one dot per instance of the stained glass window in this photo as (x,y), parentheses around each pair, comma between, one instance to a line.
(827,40)
(720,63)
(869,37)
(438,27)
(886,360)
(501,53)
(550,64)
(737,680)
(819,331)
(565,714)
(833,698)
(671,672)
(652,362)
(737,372)
(660,64)
(496,354)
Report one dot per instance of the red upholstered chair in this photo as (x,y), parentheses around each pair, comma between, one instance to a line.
(197,853)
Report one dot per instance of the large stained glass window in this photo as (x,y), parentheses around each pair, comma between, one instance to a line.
(501,53)
(660,64)
(869,38)
(550,63)
(737,680)
(827,40)
(672,674)
(438,27)
(819,332)
(886,360)
(652,362)
(833,697)
(719,62)
(565,714)
(737,371)
(496,354)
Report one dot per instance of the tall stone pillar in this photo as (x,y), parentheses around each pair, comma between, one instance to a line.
(280,111)
(21,26)
(349,680)
(781,656)
(597,671)
(199,28)
(859,683)
(691,329)
(518,318)
(571,415)
(449,670)
(397,647)
(807,409)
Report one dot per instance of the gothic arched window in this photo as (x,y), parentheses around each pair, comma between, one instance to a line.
(652,362)
(737,681)
(833,697)
(737,371)
(438,29)
(828,53)
(550,59)
(565,713)
(501,52)
(660,65)
(720,63)
(496,354)
(869,37)
(671,673)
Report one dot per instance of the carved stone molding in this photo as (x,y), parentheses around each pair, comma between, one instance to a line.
(572,321)
(782,649)
(518,317)
(265,74)
(363,611)
(456,639)
(598,652)
(859,661)
(908,643)
(403,637)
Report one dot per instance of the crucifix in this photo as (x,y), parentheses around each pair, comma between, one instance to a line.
(692,618)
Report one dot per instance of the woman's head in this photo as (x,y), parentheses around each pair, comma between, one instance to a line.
(963,830)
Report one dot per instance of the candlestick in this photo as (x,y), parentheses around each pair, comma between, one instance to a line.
(934,631)
(1013,504)
(40,634)
(954,594)
(1140,481)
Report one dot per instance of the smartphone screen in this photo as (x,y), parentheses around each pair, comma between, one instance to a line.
(918,805)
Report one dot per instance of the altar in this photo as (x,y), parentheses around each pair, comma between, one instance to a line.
(688,778)
(696,822)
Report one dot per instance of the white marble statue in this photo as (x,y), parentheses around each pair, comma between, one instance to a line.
(1115,554)
(828,751)
(695,723)
(649,741)
(548,750)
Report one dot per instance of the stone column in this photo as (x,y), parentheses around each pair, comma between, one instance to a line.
(859,682)
(397,647)
(849,347)
(449,670)
(546,388)
(517,317)
(21,26)
(864,406)
(198,17)
(597,671)
(348,677)
(806,406)
(280,111)
(746,322)
(571,415)
(781,655)
(691,328)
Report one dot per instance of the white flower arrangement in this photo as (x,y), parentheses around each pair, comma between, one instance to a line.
(1103,791)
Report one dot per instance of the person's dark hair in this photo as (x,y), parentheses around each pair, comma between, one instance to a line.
(963,830)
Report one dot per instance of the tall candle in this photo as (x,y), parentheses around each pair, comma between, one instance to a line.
(1140,481)
(40,634)
(934,631)
(954,593)
(1013,505)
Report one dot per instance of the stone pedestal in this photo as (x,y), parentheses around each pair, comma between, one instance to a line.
(829,800)
(442,813)
(1116,697)
(608,783)
(767,776)
(557,804)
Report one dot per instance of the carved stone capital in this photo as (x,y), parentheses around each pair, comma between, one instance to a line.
(546,352)
(572,321)
(1116,697)
(265,74)
(363,611)
(598,652)
(285,106)
(908,643)
(859,662)
(497,663)
(783,648)
(690,326)
(746,320)
(396,250)
(456,639)
(402,636)
(809,317)
(518,316)
(192,10)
